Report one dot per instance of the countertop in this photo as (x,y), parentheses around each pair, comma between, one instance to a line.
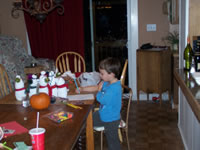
(190,89)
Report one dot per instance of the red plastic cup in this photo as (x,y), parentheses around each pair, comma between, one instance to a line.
(37,138)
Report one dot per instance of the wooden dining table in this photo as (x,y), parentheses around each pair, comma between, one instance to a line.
(61,136)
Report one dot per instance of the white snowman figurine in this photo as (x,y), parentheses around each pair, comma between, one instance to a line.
(43,82)
(19,89)
(33,86)
(61,87)
(52,84)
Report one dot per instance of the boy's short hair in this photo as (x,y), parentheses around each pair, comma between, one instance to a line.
(111,65)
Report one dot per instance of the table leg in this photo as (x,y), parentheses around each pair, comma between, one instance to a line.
(160,94)
(169,94)
(89,132)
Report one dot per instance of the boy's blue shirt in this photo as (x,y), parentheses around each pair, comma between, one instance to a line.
(110,101)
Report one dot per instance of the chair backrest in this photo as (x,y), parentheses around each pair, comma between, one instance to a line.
(123,75)
(126,102)
(5,86)
(64,60)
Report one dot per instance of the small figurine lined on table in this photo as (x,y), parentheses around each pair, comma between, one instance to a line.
(62,87)
(52,85)
(33,85)
(43,81)
(19,88)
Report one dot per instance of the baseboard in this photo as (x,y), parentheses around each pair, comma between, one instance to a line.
(143,96)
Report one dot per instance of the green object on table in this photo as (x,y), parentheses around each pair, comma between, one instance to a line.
(21,145)
(6,147)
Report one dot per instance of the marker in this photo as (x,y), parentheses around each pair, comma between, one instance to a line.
(4,146)
(76,86)
(73,106)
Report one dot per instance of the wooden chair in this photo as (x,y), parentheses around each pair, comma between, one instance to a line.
(123,75)
(64,60)
(126,101)
(5,85)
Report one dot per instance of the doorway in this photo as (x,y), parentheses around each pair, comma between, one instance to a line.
(132,40)
(109,21)
(110,32)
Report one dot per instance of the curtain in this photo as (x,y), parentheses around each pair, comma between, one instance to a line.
(57,33)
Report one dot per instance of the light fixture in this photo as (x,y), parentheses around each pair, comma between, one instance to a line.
(37,8)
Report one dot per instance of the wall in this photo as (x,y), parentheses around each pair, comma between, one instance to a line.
(194,18)
(9,25)
(150,12)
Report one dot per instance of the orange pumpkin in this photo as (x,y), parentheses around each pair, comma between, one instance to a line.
(40,101)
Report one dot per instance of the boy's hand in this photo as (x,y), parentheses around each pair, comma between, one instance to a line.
(100,86)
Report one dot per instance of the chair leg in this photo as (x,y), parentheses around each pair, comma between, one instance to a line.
(147,96)
(169,94)
(127,140)
(101,140)
(120,135)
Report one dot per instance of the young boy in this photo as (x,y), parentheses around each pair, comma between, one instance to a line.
(109,96)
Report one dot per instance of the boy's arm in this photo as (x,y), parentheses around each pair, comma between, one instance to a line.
(94,88)
(89,88)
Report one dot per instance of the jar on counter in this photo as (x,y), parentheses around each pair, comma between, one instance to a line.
(197,61)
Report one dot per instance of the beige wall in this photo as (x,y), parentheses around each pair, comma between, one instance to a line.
(150,12)
(9,25)
(194,18)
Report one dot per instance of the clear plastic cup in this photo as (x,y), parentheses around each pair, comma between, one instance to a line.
(1,133)
(37,138)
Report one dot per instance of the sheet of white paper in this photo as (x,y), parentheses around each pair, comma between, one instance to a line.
(80,97)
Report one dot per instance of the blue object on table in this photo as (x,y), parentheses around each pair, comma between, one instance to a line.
(77,85)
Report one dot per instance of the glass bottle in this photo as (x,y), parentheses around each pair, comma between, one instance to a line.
(192,70)
(25,102)
(197,61)
(188,53)
(187,78)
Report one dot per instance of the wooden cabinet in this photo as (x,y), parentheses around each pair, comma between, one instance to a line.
(154,72)
(175,65)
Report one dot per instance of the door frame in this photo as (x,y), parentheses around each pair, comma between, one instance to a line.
(132,22)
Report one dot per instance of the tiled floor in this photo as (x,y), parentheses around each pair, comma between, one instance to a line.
(151,127)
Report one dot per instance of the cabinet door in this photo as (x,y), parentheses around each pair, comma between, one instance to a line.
(154,71)
(148,70)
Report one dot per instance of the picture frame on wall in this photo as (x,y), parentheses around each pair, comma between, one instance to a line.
(170,8)
(173,12)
